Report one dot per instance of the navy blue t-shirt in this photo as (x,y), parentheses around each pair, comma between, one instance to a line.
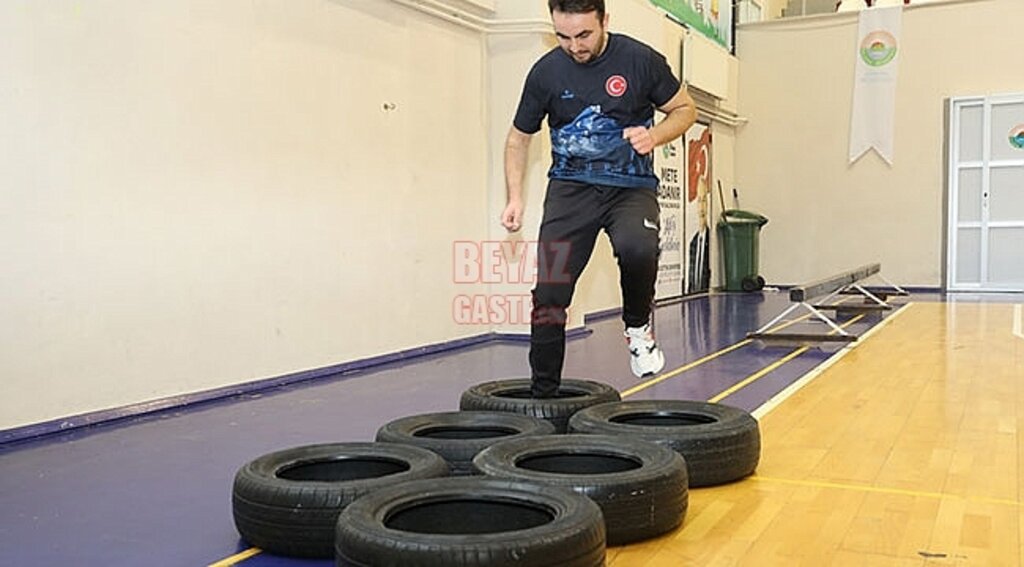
(588,106)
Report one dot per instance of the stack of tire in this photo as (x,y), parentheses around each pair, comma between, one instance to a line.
(507,480)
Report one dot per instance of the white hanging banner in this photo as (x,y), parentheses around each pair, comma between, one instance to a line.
(874,87)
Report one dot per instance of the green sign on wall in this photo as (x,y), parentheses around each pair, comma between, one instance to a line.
(713,18)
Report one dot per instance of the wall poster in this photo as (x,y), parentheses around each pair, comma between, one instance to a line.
(697,217)
(670,165)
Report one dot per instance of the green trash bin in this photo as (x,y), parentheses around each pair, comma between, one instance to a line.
(738,236)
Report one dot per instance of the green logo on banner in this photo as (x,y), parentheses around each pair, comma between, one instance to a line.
(1017,137)
(878,48)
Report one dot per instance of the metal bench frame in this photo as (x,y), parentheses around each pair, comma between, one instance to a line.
(845,283)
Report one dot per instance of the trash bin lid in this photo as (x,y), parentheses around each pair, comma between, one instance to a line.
(739,216)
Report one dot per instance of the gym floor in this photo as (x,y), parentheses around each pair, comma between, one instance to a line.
(155,490)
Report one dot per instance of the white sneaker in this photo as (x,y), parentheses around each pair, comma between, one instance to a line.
(646,359)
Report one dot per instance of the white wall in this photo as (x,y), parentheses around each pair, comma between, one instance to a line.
(796,82)
(196,194)
(510,57)
(200,194)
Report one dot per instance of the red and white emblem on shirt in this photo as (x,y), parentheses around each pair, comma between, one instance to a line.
(616,85)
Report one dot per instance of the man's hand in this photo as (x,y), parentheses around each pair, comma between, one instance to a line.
(512,216)
(640,138)
(680,113)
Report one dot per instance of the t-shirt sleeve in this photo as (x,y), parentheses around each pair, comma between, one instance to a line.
(665,84)
(531,109)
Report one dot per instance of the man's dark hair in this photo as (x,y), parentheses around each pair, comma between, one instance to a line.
(577,7)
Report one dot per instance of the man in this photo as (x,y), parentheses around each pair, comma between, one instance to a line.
(599,91)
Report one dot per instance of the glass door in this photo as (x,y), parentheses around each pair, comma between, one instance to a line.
(986,198)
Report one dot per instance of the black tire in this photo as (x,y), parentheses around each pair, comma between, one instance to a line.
(287,502)
(640,486)
(459,436)
(471,521)
(720,443)
(514,396)
(760,282)
(749,283)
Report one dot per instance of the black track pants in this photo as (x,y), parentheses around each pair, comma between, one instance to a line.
(574,213)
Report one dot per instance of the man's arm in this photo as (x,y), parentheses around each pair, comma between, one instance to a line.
(680,113)
(517,147)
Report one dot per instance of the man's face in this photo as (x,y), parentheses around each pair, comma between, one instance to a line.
(582,36)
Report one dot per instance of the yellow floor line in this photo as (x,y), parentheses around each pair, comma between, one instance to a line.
(793,388)
(644,385)
(884,490)
(768,369)
(708,358)
(755,376)
(237,558)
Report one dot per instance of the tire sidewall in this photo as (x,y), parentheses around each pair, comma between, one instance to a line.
(577,530)
(297,517)
(661,480)
(489,396)
(459,453)
(731,430)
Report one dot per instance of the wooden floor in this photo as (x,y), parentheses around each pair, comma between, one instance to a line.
(905,451)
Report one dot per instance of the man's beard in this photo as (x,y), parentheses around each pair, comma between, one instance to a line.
(590,55)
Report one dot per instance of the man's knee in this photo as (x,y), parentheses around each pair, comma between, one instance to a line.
(638,252)
(547,294)
(550,303)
